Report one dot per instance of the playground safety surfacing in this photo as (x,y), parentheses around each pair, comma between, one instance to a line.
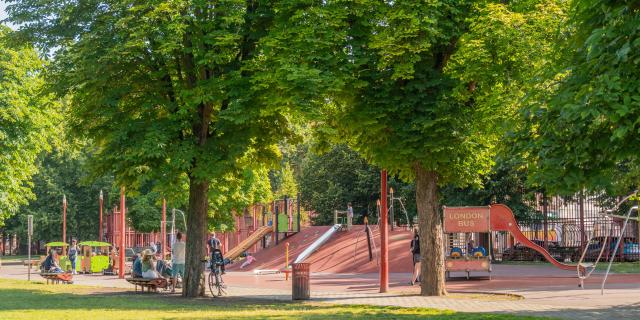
(545,291)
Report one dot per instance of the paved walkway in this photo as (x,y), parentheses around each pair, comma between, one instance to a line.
(551,296)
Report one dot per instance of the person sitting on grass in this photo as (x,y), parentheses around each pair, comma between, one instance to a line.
(149,265)
(50,265)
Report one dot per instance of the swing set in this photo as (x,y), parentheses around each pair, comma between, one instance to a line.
(585,270)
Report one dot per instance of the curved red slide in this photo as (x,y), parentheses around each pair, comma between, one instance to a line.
(502,219)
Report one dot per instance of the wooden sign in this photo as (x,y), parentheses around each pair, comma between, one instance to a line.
(467,219)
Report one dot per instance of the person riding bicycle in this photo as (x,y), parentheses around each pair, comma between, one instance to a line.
(217,259)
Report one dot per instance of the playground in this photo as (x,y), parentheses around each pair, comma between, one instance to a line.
(344,264)
(319,159)
(544,291)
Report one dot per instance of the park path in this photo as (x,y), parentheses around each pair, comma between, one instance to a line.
(622,302)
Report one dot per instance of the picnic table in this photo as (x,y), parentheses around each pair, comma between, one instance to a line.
(149,284)
(56,278)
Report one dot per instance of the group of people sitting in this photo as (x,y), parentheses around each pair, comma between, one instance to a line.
(50,263)
(147,266)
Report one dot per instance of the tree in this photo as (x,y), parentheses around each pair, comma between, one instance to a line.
(331,180)
(583,135)
(168,91)
(27,118)
(63,171)
(395,80)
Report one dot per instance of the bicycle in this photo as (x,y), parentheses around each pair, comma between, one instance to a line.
(216,284)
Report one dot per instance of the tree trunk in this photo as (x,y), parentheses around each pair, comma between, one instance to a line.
(196,230)
(431,236)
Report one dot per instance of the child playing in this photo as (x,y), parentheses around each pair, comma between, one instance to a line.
(247,261)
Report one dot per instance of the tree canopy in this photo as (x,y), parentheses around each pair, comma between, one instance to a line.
(583,135)
(27,121)
(166,91)
(421,88)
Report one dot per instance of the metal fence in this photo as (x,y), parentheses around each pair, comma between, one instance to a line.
(565,226)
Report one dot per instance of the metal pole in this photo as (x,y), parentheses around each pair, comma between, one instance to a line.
(298,209)
(582,234)
(101,227)
(29,234)
(123,250)
(384,233)
(286,212)
(275,209)
(545,220)
(163,228)
(64,223)
(173,226)
(392,211)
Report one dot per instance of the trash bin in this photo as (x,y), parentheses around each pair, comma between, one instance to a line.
(300,282)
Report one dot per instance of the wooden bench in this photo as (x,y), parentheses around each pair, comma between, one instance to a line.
(56,278)
(150,284)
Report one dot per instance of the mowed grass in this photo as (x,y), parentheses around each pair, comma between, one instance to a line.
(620,267)
(20,258)
(616,267)
(23,300)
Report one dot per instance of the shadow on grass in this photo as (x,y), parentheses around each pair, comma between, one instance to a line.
(42,302)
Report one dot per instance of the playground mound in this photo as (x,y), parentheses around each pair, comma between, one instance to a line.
(344,252)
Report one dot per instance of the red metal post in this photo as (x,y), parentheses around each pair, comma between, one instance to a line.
(101,226)
(123,250)
(163,228)
(384,233)
(64,223)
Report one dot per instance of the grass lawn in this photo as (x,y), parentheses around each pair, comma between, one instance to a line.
(620,267)
(616,267)
(23,300)
(6,259)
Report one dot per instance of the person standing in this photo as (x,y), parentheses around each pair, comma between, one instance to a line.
(215,250)
(417,258)
(178,260)
(349,216)
(73,255)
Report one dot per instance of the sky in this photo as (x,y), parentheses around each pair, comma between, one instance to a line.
(3,14)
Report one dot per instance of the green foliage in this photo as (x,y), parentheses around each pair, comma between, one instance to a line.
(584,135)
(285,182)
(331,180)
(233,194)
(63,173)
(378,74)
(174,102)
(27,119)
(506,184)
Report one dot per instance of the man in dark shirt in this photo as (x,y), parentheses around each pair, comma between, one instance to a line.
(216,253)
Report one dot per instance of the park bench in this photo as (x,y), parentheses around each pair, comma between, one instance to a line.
(149,284)
(56,278)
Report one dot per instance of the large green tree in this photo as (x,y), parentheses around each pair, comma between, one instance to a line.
(584,134)
(399,81)
(331,180)
(167,90)
(27,119)
(63,172)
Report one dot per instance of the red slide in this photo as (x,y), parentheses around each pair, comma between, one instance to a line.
(502,219)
